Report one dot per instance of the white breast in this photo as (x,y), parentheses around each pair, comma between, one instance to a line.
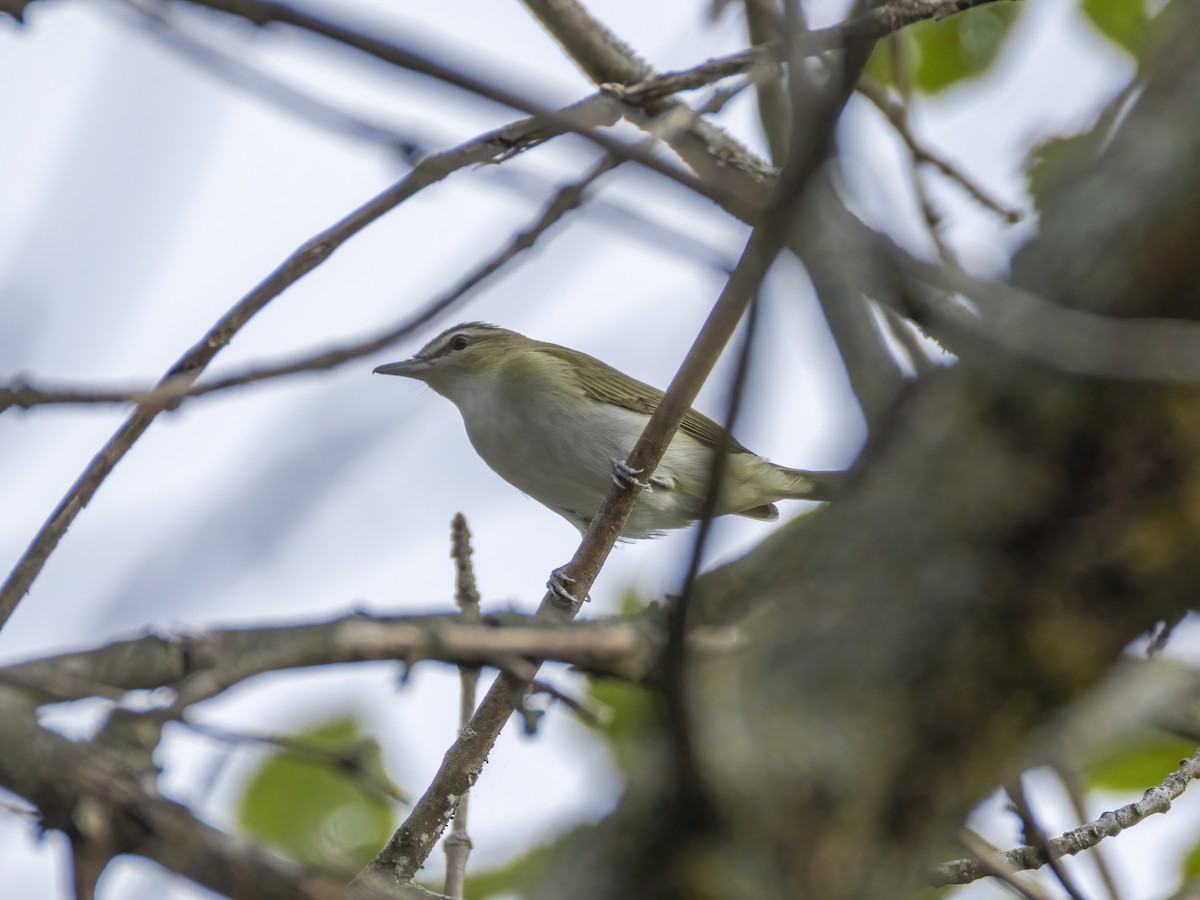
(560,450)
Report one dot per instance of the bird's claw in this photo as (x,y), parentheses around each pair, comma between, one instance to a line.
(559,584)
(623,476)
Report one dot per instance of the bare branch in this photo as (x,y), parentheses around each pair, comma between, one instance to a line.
(262,12)
(1156,800)
(568,198)
(180,377)
(466,596)
(155,18)
(983,854)
(346,760)
(1035,837)
(202,665)
(1070,782)
(897,115)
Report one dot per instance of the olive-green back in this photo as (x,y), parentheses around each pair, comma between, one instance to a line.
(608,385)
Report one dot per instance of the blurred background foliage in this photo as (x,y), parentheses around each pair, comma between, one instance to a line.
(332,807)
(940,55)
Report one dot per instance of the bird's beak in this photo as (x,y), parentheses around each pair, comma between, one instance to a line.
(409,368)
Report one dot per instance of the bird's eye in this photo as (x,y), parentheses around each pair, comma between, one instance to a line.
(459,342)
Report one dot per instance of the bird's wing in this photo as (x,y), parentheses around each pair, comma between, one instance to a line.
(608,385)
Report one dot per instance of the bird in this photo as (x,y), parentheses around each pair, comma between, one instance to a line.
(558,425)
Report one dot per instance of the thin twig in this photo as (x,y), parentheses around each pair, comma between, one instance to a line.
(412,842)
(869,26)
(586,710)
(349,761)
(763,25)
(1155,800)
(1070,782)
(263,12)
(905,333)
(985,856)
(897,114)
(157,18)
(466,596)
(1036,837)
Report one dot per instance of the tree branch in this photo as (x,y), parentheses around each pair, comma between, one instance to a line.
(897,116)
(200,666)
(1156,800)
(412,842)
(466,596)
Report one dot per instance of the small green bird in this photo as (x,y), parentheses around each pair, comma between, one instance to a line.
(558,424)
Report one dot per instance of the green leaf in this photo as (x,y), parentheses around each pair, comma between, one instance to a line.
(632,720)
(315,811)
(1141,766)
(1050,162)
(1191,866)
(1124,22)
(944,53)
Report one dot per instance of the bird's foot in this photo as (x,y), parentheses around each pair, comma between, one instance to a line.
(625,477)
(559,585)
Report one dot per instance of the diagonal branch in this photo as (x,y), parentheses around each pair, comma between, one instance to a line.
(897,115)
(1156,800)
(411,844)
(263,12)
(408,848)
(873,373)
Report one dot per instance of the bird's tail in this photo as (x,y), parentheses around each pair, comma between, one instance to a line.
(801,484)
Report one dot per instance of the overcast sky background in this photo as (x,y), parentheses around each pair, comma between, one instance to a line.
(143,197)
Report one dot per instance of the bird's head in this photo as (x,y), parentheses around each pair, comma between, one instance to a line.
(461,357)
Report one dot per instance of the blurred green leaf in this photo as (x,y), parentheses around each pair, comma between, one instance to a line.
(1049,163)
(1124,22)
(633,716)
(1141,766)
(315,811)
(512,877)
(1191,868)
(943,53)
